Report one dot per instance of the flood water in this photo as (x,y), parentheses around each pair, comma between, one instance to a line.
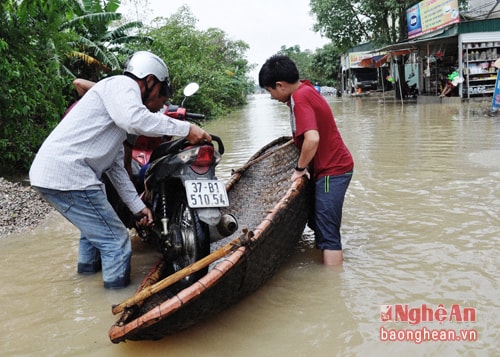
(420,229)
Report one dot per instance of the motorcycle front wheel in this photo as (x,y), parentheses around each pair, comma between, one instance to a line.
(193,235)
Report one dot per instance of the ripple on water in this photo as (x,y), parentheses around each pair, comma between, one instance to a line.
(420,226)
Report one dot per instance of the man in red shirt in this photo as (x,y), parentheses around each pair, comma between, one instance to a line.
(323,153)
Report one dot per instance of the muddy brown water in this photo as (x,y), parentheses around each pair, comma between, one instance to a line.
(421,229)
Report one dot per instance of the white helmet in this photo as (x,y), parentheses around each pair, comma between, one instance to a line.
(143,63)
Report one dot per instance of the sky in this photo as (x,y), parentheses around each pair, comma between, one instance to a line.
(265,25)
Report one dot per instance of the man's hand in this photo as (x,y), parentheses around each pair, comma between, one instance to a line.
(144,217)
(197,135)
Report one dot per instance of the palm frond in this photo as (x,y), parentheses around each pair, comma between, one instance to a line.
(120,31)
(68,71)
(112,5)
(129,26)
(91,61)
(132,39)
(92,5)
(102,18)
(77,7)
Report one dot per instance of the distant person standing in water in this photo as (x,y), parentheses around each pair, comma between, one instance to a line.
(323,153)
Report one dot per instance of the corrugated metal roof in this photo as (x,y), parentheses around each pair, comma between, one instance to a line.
(488,25)
(364,47)
(441,35)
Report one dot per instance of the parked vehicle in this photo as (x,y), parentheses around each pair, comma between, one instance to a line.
(273,211)
(410,91)
(365,79)
(184,194)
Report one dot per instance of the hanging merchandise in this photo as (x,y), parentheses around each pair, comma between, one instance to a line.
(427,71)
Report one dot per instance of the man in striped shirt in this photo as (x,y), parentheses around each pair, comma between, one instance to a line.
(69,166)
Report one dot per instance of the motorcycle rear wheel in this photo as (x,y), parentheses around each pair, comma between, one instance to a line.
(194,236)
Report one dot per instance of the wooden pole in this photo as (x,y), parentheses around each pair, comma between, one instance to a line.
(174,278)
(152,279)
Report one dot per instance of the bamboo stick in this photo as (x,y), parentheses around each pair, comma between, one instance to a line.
(152,279)
(172,279)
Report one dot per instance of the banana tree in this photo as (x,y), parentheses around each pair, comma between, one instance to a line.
(100,38)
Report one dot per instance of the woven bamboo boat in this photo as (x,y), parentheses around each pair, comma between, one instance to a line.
(272,213)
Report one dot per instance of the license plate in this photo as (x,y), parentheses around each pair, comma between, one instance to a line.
(206,193)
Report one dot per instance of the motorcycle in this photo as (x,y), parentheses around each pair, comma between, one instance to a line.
(411,91)
(184,195)
(144,145)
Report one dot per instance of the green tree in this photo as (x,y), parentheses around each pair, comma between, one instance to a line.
(100,38)
(325,65)
(350,23)
(341,21)
(302,59)
(207,57)
(31,99)
(37,35)
(319,67)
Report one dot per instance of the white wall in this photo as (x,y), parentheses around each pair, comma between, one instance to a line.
(479,9)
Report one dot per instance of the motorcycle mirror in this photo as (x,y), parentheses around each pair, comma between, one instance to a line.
(191,89)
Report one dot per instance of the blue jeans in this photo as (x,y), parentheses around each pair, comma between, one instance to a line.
(104,240)
(326,218)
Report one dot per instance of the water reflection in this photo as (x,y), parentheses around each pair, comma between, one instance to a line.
(420,227)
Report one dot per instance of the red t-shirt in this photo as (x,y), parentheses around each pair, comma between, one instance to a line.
(310,111)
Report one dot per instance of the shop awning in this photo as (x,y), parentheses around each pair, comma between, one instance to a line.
(373,62)
(438,36)
(379,60)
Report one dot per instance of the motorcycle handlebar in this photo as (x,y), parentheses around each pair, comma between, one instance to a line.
(220,145)
(195,116)
(174,111)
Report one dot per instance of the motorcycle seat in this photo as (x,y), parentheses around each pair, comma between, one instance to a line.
(167,148)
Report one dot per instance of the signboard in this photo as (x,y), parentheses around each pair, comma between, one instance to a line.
(431,15)
(355,58)
(495,104)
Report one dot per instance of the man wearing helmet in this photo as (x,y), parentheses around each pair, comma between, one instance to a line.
(69,166)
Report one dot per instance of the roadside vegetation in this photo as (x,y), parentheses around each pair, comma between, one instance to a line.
(45,44)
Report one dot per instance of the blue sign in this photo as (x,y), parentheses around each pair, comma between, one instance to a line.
(495,104)
(414,21)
